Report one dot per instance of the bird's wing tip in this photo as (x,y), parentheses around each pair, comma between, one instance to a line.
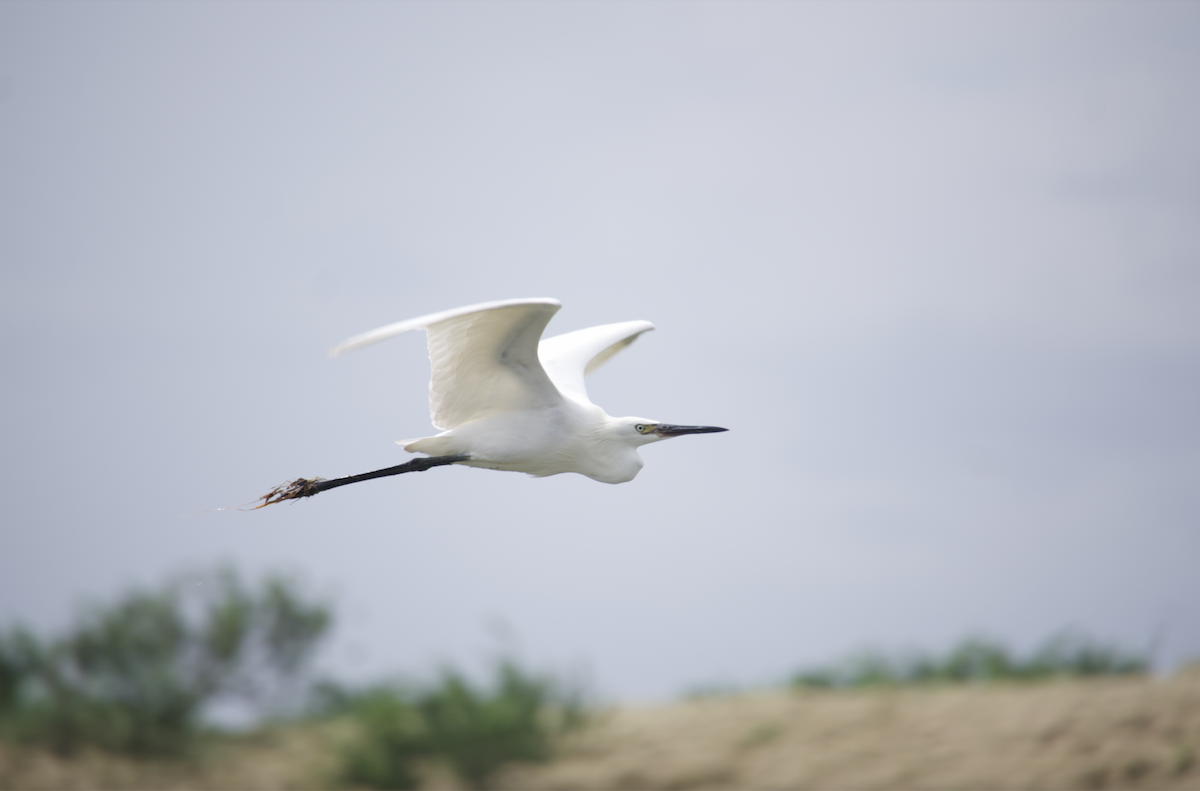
(423,322)
(357,342)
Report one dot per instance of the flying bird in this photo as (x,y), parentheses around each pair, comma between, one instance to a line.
(505,399)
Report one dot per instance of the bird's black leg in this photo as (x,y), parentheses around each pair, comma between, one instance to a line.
(307,487)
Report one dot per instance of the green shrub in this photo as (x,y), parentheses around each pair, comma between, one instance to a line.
(473,730)
(390,742)
(135,676)
(976,660)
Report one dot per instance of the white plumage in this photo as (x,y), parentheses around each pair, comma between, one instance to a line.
(511,401)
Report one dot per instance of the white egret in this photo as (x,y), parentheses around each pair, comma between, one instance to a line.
(507,400)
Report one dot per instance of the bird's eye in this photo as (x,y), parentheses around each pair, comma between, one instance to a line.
(640,428)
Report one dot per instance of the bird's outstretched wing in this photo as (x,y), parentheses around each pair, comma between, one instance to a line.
(484,358)
(568,358)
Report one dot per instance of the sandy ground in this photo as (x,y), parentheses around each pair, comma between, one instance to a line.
(1134,733)
(1113,733)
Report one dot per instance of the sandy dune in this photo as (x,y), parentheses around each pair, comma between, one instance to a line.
(1130,733)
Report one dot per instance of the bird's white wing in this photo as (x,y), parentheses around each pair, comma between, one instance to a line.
(568,358)
(484,358)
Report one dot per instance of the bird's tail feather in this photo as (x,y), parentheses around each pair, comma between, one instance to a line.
(433,446)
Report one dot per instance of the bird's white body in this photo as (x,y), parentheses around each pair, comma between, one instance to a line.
(569,437)
(511,401)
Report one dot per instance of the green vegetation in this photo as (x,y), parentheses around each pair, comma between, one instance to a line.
(471,729)
(977,660)
(136,676)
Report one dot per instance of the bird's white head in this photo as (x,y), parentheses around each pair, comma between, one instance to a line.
(639,431)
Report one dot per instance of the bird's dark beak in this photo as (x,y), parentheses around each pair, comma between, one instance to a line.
(667,430)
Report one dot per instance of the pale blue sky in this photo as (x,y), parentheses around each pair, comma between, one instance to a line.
(936,266)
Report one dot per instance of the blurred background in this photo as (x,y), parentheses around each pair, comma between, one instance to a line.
(936,266)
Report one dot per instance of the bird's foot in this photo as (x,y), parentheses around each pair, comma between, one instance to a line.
(292,490)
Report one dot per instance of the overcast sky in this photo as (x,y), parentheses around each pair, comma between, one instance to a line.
(936,266)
